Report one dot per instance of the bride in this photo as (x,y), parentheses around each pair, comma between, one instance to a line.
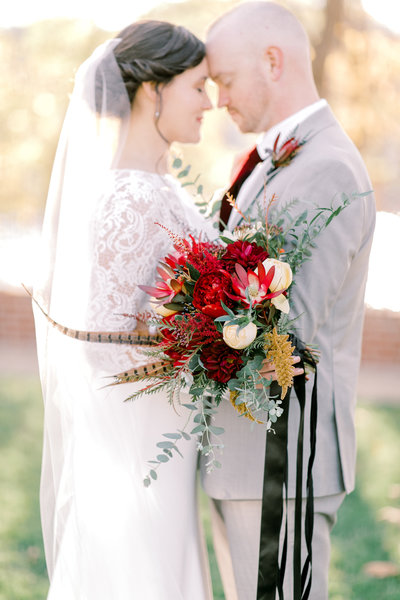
(106,536)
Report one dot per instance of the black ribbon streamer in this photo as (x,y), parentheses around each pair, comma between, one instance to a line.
(270,572)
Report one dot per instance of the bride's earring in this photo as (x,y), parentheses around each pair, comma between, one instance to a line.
(157,114)
(158,105)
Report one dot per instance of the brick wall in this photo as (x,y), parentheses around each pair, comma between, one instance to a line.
(381,340)
(381,337)
(16,318)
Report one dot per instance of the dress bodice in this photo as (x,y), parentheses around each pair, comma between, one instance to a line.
(127,244)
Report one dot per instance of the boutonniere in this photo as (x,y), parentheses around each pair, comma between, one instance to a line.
(282,156)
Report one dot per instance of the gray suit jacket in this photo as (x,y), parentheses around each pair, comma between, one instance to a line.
(329,298)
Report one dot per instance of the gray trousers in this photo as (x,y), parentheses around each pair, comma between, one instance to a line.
(236,534)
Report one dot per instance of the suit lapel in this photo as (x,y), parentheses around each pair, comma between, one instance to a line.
(249,190)
(253,187)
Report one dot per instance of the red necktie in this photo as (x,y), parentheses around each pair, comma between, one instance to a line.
(247,167)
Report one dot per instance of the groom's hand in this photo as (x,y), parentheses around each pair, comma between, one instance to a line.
(268,370)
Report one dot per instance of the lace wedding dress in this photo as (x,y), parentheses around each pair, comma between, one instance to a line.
(107,537)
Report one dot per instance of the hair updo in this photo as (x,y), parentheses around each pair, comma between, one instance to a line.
(153,51)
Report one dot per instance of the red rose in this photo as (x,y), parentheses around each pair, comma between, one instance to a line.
(246,254)
(209,290)
(221,361)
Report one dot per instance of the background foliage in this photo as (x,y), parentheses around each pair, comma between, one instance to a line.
(367,528)
(356,64)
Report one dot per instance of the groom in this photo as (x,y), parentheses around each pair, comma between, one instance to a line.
(259,57)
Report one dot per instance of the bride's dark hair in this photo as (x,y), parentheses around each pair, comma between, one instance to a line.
(155,51)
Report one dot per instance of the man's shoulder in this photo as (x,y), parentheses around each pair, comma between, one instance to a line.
(329,151)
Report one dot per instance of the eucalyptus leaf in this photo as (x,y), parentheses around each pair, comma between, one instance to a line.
(177,163)
(184,173)
(216,430)
(165,444)
(196,391)
(232,383)
(198,429)
(162,458)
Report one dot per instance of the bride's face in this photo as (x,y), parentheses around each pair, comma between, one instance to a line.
(184,101)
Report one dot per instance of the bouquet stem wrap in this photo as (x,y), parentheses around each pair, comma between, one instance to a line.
(270,572)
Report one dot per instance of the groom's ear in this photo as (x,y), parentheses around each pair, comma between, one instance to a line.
(274,60)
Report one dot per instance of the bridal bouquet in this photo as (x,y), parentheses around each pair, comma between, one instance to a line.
(222,310)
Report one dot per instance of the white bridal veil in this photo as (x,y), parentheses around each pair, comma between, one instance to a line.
(91,140)
(106,536)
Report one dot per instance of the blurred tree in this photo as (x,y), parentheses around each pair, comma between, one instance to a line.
(356,64)
(328,40)
(37,66)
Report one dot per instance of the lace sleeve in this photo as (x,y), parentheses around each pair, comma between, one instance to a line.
(127,245)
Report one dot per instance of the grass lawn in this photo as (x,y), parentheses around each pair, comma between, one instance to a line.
(361,534)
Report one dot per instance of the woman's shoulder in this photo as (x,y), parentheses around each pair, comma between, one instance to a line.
(132,177)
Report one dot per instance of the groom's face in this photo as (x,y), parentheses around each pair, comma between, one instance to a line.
(243,87)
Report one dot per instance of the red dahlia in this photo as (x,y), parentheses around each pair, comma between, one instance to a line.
(209,290)
(220,361)
(246,254)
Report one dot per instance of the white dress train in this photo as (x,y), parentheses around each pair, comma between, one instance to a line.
(107,537)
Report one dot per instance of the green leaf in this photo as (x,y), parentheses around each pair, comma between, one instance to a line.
(232,383)
(172,436)
(196,391)
(185,435)
(165,445)
(198,418)
(194,362)
(200,189)
(193,272)
(301,219)
(184,173)
(228,310)
(162,458)
(198,429)
(216,430)
(178,451)
(222,319)
(146,481)
(177,163)
(190,406)
(215,208)
(153,474)
(189,286)
(225,239)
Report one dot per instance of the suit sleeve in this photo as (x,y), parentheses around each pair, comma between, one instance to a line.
(323,279)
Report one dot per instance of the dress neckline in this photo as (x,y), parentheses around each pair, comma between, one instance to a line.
(142,172)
